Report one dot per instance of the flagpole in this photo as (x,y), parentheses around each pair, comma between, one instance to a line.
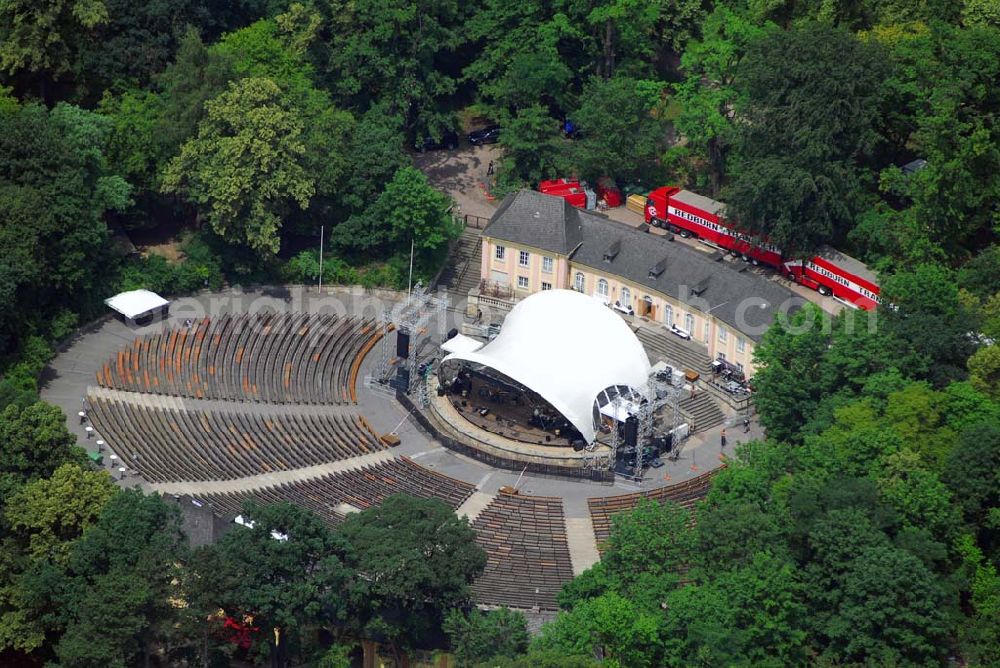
(321,259)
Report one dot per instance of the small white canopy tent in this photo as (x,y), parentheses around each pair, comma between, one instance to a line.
(135,304)
(568,348)
(460,343)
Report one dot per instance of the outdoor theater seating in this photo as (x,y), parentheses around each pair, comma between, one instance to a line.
(186,445)
(283,358)
(528,558)
(687,494)
(361,488)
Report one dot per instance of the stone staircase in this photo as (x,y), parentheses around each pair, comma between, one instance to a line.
(673,350)
(702,411)
(461,273)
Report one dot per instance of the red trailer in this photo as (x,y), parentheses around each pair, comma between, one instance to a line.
(831,272)
(557,184)
(692,215)
(575,195)
(571,191)
(836,274)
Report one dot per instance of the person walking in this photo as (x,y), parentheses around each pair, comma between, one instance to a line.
(746,425)
(722,439)
(489,169)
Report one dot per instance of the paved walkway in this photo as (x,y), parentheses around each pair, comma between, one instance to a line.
(173,403)
(274,478)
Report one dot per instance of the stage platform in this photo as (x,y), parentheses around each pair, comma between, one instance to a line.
(506,438)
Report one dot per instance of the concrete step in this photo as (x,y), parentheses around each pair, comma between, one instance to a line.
(674,351)
(703,411)
(461,272)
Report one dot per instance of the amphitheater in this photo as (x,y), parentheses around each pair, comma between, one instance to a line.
(261,395)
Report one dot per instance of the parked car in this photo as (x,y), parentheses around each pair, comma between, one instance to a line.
(487,135)
(449,140)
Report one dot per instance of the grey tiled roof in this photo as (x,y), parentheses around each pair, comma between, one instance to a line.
(731,292)
(531,218)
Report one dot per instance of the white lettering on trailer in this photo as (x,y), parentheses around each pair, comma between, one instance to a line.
(842,280)
(721,229)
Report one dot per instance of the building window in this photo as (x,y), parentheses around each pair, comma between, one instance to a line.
(708,332)
(501,252)
(723,335)
(547,265)
(522,258)
(602,288)
(626,298)
(580,282)
(739,365)
(689,324)
(721,356)
(741,344)
(546,286)
(668,315)
(522,282)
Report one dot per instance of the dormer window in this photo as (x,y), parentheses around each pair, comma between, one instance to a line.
(612,251)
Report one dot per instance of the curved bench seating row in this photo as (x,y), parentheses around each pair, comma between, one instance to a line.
(528,558)
(190,445)
(687,494)
(359,489)
(279,358)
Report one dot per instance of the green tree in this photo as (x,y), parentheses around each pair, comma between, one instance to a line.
(34,442)
(55,186)
(375,152)
(892,611)
(910,300)
(981,13)
(610,627)
(809,98)
(973,475)
(287,571)
(415,559)
(50,513)
(111,601)
(408,210)
(530,142)
(984,370)
(245,168)
(135,43)
(392,51)
(646,551)
(196,75)
(744,616)
(43,35)
(624,134)
(811,356)
(951,102)
(479,637)
(708,92)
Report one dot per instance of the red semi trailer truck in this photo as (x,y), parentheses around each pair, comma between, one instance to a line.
(830,272)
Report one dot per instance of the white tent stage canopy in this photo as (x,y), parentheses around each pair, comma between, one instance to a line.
(136,303)
(460,343)
(568,348)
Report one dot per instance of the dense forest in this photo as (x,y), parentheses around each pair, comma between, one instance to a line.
(864,531)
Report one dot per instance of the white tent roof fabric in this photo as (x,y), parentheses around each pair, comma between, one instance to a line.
(460,343)
(568,348)
(135,303)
